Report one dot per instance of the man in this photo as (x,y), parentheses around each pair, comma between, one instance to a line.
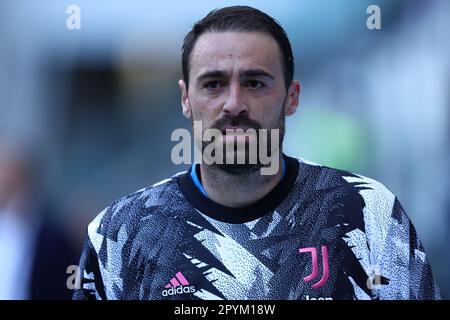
(225,230)
(34,250)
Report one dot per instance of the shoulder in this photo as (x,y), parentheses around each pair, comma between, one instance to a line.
(371,214)
(125,214)
(325,177)
(375,201)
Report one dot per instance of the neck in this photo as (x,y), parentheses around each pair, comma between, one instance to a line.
(233,190)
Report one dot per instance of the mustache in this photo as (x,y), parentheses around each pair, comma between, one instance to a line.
(236,121)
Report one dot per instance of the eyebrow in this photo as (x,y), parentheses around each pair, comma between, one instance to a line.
(211,74)
(258,73)
(246,73)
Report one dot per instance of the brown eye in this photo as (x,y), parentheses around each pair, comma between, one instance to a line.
(212,85)
(254,84)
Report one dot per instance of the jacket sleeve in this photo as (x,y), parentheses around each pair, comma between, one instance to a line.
(89,285)
(404,264)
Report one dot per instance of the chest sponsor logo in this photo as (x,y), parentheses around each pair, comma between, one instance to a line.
(315,266)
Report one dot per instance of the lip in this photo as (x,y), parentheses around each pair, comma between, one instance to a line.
(233,128)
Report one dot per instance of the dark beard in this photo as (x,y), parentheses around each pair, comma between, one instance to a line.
(246,169)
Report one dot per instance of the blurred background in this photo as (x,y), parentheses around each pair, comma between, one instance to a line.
(86,115)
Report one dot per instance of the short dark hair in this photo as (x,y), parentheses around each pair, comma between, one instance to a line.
(240,19)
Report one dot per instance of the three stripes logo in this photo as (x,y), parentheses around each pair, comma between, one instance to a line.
(315,266)
(177,285)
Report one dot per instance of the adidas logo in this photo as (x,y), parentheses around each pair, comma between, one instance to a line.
(177,285)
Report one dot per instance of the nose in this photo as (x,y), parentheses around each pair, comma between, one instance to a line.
(235,104)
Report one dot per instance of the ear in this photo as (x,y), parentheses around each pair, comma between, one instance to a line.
(292,98)
(185,99)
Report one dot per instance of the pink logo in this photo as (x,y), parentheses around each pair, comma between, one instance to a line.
(178,280)
(315,267)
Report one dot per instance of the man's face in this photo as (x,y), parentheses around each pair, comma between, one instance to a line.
(237,81)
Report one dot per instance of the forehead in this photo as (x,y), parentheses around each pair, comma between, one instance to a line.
(235,50)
